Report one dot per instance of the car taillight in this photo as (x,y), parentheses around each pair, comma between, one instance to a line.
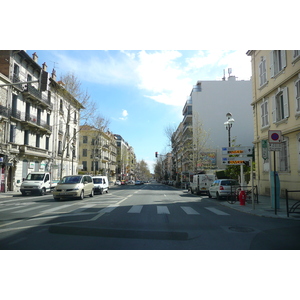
(221,188)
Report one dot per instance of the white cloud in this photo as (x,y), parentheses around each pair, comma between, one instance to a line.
(124,115)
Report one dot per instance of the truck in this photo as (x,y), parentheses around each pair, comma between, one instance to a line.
(201,183)
(36,183)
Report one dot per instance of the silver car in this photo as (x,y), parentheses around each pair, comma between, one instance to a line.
(75,186)
(222,188)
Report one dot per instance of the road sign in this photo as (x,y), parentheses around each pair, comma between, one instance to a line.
(225,160)
(244,151)
(274,136)
(275,147)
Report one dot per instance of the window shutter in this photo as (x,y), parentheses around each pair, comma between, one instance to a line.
(283,58)
(272,63)
(262,114)
(273,109)
(266,112)
(285,103)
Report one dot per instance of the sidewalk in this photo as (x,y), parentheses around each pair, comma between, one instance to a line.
(264,208)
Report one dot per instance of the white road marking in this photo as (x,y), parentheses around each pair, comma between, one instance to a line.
(28,209)
(135,209)
(162,210)
(190,211)
(217,211)
(55,208)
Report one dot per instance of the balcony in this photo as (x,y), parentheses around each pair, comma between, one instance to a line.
(33,122)
(35,95)
(29,150)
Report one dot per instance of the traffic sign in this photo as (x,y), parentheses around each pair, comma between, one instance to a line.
(243,151)
(275,147)
(238,158)
(274,136)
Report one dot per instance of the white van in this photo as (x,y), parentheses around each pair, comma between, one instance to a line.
(36,183)
(100,184)
(201,183)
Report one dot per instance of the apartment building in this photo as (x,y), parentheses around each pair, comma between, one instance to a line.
(34,133)
(276,106)
(126,160)
(98,152)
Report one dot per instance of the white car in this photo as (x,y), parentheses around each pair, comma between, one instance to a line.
(222,188)
(118,182)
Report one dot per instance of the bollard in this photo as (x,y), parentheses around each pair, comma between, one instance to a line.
(242,197)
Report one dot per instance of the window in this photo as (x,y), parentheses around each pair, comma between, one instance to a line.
(296,53)
(280,105)
(264,114)
(278,61)
(59,148)
(26,137)
(12,134)
(283,156)
(37,140)
(262,72)
(84,165)
(84,139)
(61,109)
(84,152)
(47,143)
(297,93)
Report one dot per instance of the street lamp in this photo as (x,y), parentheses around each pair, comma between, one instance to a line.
(228,124)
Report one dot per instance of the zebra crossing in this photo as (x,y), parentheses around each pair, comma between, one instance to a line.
(98,207)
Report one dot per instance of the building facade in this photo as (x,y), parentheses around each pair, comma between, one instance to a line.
(98,152)
(276,106)
(31,119)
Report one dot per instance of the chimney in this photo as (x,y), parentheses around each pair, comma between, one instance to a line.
(53,74)
(44,66)
(35,57)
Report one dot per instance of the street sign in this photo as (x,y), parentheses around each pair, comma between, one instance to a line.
(275,147)
(274,136)
(235,160)
(244,151)
(265,149)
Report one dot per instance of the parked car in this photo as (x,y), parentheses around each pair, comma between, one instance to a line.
(74,186)
(54,184)
(222,187)
(118,182)
(100,184)
(138,182)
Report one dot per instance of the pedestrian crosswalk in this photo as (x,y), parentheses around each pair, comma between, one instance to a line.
(96,208)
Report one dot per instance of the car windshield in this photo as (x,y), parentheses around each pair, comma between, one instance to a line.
(97,180)
(71,179)
(35,177)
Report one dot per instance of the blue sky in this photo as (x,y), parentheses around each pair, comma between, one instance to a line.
(143,92)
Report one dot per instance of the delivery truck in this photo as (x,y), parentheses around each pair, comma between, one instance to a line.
(201,183)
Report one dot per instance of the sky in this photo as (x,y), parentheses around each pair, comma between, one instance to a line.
(143,92)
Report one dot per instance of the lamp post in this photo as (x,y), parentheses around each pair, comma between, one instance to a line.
(228,124)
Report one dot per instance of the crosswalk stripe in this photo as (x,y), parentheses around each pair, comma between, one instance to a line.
(83,208)
(217,211)
(10,208)
(163,210)
(56,208)
(28,209)
(190,211)
(108,209)
(135,209)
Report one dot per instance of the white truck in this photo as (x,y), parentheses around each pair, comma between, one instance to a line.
(36,183)
(201,183)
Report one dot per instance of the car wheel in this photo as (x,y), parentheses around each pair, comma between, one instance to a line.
(209,195)
(81,195)
(218,196)
(101,191)
(192,192)
(92,193)
(42,192)
(107,191)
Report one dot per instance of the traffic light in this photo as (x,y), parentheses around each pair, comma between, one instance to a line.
(156,154)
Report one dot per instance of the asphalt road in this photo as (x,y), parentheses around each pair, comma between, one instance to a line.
(151,216)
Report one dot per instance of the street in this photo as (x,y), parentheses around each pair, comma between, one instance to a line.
(138,217)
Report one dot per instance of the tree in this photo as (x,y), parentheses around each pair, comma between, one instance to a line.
(77,104)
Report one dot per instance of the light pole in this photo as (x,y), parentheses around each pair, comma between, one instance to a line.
(228,124)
